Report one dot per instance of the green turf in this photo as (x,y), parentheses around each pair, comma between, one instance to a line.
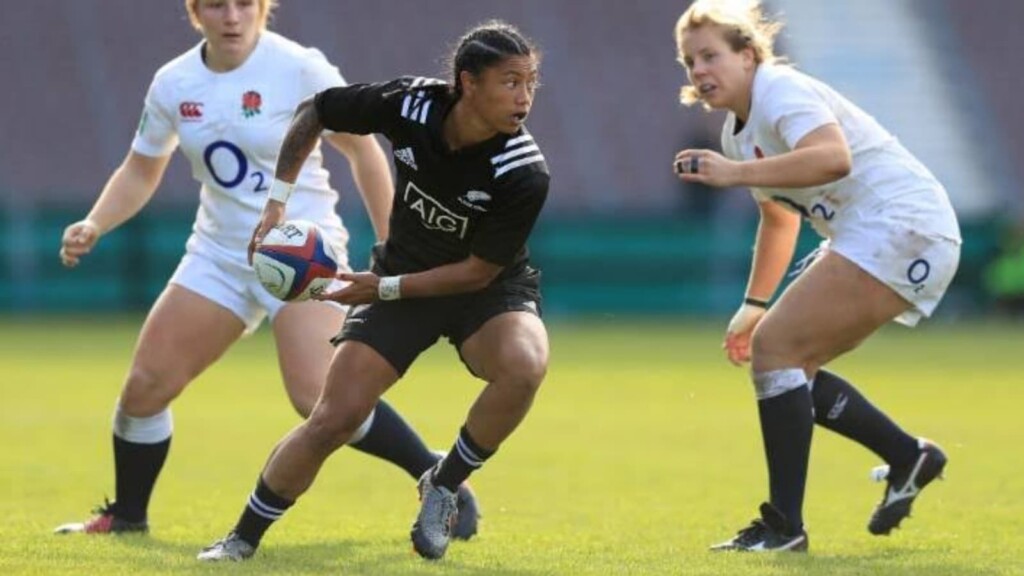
(641,450)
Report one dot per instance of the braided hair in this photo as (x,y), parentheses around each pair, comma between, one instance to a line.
(484,46)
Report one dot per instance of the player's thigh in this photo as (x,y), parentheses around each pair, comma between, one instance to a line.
(509,345)
(302,331)
(183,334)
(357,377)
(832,307)
(398,330)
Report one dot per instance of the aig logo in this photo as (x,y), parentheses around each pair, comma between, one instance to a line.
(433,214)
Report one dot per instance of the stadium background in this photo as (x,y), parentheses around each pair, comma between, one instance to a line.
(643,447)
(620,234)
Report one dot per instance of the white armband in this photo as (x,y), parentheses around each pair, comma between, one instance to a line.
(280,191)
(390,288)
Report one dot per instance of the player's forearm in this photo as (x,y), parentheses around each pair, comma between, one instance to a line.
(800,168)
(129,189)
(469,275)
(299,142)
(773,251)
(373,178)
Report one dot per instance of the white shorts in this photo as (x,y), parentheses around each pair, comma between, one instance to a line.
(232,286)
(916,263)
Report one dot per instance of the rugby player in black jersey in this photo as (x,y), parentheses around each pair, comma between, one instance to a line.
(470,184)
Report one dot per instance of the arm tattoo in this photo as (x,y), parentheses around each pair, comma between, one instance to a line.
(299,142)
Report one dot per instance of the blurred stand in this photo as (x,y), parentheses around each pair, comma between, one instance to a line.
(620,234)
(1004,276)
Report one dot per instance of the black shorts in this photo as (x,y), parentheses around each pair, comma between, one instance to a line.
(399,330)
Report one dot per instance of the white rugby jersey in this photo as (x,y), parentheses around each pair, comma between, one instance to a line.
(230,126)
(886,180)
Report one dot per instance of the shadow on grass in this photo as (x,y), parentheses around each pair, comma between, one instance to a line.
(391,557)
(888,561)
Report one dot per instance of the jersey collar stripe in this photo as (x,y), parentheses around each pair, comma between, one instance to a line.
(518,140)
(518,163)
(517,152)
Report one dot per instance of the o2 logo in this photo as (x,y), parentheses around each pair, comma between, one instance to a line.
(918,272)
(233,180)
(819,210)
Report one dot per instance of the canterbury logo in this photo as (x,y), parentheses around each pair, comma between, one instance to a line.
(838,407)
(191,110)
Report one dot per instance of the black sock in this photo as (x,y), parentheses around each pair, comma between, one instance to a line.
(839,407)
(786,427)
(391,438)
(136,467)
(462,460)
(262,510)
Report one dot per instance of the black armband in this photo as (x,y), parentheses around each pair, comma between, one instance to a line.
(756,302)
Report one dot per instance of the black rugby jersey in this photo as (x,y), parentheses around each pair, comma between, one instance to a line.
(481,200)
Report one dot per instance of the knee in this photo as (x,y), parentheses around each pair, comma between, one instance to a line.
(524,371)
(147,391)
(764,342)
(331,426)
(771,349)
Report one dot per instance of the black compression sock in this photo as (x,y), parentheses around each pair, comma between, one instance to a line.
(263,509)
(391,438)
(136,467)
(786,427)
(465,457)
(841,408)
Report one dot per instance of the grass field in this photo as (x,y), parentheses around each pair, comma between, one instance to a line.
(642,449)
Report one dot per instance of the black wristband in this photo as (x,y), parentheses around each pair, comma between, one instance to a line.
(756,302)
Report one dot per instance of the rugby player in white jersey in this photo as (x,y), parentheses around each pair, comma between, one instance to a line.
(228,102)
(892,245)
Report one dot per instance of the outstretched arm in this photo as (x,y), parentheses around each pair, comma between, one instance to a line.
(821,157)
(776,241)
(773,251)
(129,189)
(299,142)
(373,177)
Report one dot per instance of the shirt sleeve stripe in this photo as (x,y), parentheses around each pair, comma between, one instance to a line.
(518,163)
(518,140)
(517,152)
